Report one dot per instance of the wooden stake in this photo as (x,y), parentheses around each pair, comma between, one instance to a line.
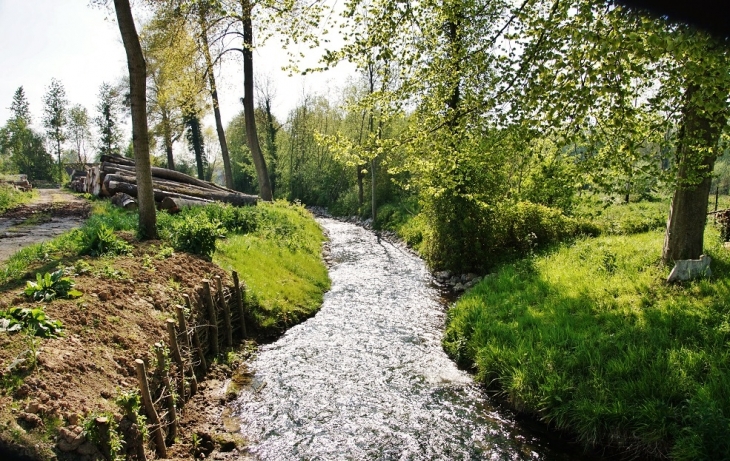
(212,318)
(239,302)
(169,400)
(226,312)
(175,349)
(183,327)
(102,429)
(196,339)
(150,409)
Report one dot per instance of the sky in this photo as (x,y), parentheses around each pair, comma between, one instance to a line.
(80,45)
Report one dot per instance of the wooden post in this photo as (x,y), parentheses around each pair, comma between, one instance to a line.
(175,349)
(150,409)
(212,318)
(195,337)
(183,327)
(169,400)
(102,429)
(239,302)
(226,311)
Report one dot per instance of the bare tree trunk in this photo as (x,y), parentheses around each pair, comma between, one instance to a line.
(227,172)
(140,135)
(248,105)
(704,115)
(167,134)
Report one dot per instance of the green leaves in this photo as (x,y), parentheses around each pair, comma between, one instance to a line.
(33,320)
(48,287)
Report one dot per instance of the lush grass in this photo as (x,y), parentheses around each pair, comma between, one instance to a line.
(592,340)
(10,197)
(624,218)
(281,264)
(276,249)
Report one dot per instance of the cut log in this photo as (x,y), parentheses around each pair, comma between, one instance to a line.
(125,201)
(174,204)
(118,159)
(235,198)
(164,173)
(131,189)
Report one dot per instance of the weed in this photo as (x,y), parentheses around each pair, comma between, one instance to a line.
(32,320)
(48,287)
(109,441)
(102,240)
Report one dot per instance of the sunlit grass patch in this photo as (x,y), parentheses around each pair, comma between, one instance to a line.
(590,338)
(281,265)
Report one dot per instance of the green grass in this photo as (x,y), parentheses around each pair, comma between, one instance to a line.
(589,338)
(10,197)
(281,264)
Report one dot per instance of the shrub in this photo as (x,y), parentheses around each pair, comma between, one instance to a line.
(196,235)
(101,240)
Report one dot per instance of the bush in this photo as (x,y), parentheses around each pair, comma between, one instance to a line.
(196,235)
(101,240)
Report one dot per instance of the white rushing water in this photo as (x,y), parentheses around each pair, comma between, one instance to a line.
(367,378)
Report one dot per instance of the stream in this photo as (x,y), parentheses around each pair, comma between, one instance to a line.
(367,378)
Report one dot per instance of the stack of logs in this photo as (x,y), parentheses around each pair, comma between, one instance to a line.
(172,189)
(212,319)
(19,182)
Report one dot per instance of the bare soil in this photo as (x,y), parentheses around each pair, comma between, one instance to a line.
(122,312)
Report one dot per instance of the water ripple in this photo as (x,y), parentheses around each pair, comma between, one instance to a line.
(366,378)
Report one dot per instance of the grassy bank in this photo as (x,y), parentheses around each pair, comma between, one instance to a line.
(282,265)
(590,339)
(276,248)
(10,197)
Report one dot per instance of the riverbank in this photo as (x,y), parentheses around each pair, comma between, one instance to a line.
(589,338)
(53,388)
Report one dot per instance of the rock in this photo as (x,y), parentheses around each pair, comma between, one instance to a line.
(88,449)
(469,277)
(689,269)
(454,280)
(35,407)
(32,420)
(72,418)
(70,438)
(459,287)
(442,275)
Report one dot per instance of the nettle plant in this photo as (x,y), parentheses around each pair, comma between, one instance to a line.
(48,287)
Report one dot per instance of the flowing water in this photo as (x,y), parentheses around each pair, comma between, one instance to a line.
(367,378)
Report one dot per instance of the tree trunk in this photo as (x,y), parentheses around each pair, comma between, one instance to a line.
(704,116)
(248,105)
(167,134)
(227,172)
(140,136)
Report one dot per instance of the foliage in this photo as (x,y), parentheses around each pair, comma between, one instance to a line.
(107,122)
(196,235)
(10,197)
(55,116)
(281,264)
(591,340)
(22,149)
(112,439)
(48,287)
(33,320)
(101,240)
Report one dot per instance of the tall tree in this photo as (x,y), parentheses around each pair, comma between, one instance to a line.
(248,102)
(55,118)
(140,135)
(203,12)
(78,130)
(266,95)
(175,76)
(21,146)
(107,121)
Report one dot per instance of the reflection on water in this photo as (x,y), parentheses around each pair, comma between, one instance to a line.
(366,378)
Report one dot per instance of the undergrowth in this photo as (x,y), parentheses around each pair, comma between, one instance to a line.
(589,338)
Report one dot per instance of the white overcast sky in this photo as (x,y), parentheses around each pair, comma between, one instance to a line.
(80,45)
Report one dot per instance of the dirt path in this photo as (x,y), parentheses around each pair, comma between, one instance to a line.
(53,213)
